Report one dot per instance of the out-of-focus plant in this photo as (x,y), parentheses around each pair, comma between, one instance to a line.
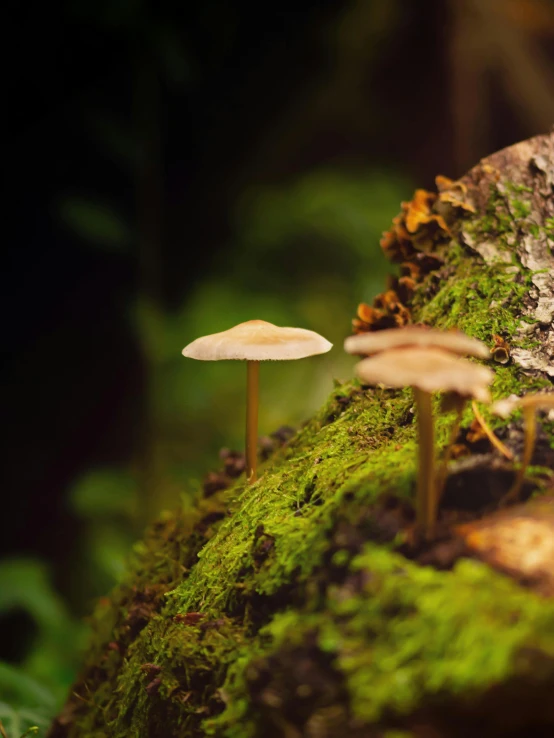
(106,500)
(96,222)
(32,691)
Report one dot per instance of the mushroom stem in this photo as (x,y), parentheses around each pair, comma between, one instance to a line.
(252,396)
(496,442)
(426,502)
(530,424)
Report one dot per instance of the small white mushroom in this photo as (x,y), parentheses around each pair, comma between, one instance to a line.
(529,404)
(255,341)
(426,370)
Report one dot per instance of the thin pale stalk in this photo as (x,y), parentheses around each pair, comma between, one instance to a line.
(426,502)
(530,424)
(252,400)
(496,442)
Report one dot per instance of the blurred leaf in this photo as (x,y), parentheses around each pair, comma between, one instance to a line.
(109,546)
(104,493)
(22,689)
(49,668)
(96,223)
(350,208)
(18,723)
(24,583)
(327,222)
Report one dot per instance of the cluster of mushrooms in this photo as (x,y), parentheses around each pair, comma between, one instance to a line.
(425,359)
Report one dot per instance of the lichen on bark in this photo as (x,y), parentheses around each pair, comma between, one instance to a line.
(290,607)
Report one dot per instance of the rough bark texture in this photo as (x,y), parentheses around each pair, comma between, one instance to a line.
(522,200)
(295,607)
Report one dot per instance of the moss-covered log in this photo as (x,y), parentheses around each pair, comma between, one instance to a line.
(300,606)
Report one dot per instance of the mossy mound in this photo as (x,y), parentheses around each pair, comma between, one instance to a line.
(285,608)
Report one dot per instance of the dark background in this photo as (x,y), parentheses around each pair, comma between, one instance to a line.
(168,112)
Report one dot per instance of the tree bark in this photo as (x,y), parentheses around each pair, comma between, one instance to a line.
(302,605)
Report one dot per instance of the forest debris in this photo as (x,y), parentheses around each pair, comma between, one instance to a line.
(215,482)
(234,461)
(459,450)
(151,668)
(189,618)
(153,687)
(519,541)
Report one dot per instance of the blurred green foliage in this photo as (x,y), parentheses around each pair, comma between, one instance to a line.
(106,500)
(95,222)
(31,692)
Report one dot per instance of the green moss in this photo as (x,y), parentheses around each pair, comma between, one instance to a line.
(477,299)
(518,188)
(405,636)
(432,633)
(331,470)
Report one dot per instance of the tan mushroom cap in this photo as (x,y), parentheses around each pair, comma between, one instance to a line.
(415,335)
(258,340)
(428,369)
(539,400)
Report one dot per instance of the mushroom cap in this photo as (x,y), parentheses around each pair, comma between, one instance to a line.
(428,369)
(416,335)
(258,340)
(538,400)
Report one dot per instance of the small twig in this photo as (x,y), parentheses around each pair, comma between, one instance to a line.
(530,422)
(496,442)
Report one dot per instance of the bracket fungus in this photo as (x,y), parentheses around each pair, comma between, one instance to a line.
(428,361)
(528,404)
(255,341)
